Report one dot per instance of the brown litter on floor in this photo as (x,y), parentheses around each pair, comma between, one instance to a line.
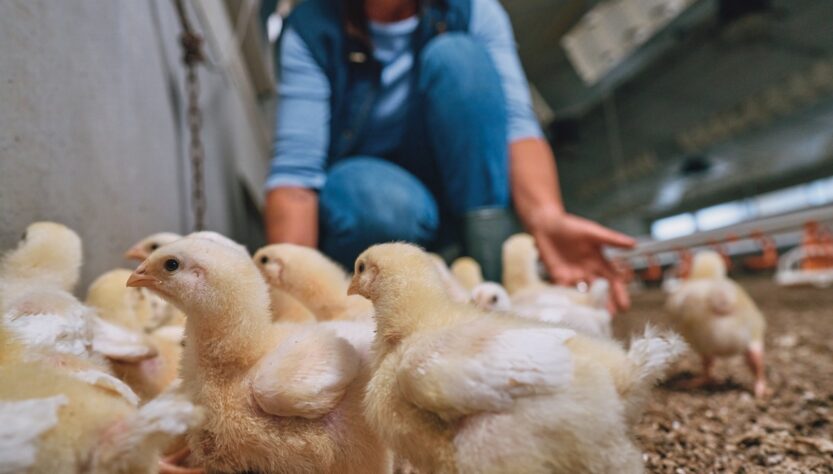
(724,428)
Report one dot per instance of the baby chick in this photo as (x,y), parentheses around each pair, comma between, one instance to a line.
(550,307)
(718,319)
(54,327)
(314,280)
(491,296)
(163,316)
(278,397)
(449,377)
(467,271)
(51,422)
(285,307)
(48,255)
(127,307)
(141,249)
(130,308)
(36,279)
(523,282)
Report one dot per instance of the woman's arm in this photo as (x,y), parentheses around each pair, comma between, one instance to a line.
(570,246)
(291,216)
(301,138)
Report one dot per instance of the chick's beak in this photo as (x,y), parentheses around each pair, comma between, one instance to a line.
(135,253)
(353,289)
(140,278)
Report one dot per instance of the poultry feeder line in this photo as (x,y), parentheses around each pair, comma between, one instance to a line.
(771,225)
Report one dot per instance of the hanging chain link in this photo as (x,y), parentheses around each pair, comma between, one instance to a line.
(192,57)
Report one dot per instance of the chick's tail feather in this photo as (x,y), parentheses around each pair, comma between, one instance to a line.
(653,352)
(650,356)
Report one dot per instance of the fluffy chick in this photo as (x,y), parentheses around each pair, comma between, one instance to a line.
(548,307)
(523,282)
(143,248)
(51,422)
(467,271)
(718,319)
(457,389)
(314,280)
(491,296)
(37,306)
(285,308)
(59,331)
(130,307)
(163,314)
(48,255)
(278,397)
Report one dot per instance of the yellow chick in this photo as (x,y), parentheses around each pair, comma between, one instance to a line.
(718,319)
(467,271)
(129,308)
(38,308)
(51,422)
(48,255)
(285,308)
(278,397)
(523,282)
(143,248)
(457,389)
(552,308)
(314,280)
(163,316)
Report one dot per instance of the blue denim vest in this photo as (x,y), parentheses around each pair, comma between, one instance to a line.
(349,64)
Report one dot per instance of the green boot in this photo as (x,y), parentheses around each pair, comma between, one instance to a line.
(484,231)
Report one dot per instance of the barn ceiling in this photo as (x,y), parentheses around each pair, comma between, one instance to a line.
(722,84)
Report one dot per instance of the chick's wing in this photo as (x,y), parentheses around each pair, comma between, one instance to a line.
(306,375)
(119,343)
(480,368)
(21,424)
(722,297)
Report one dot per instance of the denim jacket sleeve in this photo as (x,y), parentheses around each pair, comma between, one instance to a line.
(490,25)
(303,119)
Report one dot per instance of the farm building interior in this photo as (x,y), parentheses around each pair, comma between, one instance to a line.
(643,198)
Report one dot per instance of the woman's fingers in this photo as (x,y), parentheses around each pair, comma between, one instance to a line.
(605,236)
(619,291)
(619,298)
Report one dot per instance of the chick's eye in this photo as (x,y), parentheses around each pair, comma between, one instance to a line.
(154,246)
(23,236)
(361,267)
(264,259)
(494,299)
(171,265)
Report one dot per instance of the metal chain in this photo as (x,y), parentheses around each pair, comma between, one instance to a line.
(192,56)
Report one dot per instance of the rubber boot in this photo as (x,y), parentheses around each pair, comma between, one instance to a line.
(484,231)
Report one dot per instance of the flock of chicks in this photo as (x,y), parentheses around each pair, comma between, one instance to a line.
(208,357)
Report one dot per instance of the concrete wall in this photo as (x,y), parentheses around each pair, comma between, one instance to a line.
(92,132)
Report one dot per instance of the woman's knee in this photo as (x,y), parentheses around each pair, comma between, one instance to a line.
(368,200)
(456,60)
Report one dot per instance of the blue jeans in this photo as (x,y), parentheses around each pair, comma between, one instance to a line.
(454,159)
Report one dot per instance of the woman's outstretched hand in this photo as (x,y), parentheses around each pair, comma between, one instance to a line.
(571,248)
